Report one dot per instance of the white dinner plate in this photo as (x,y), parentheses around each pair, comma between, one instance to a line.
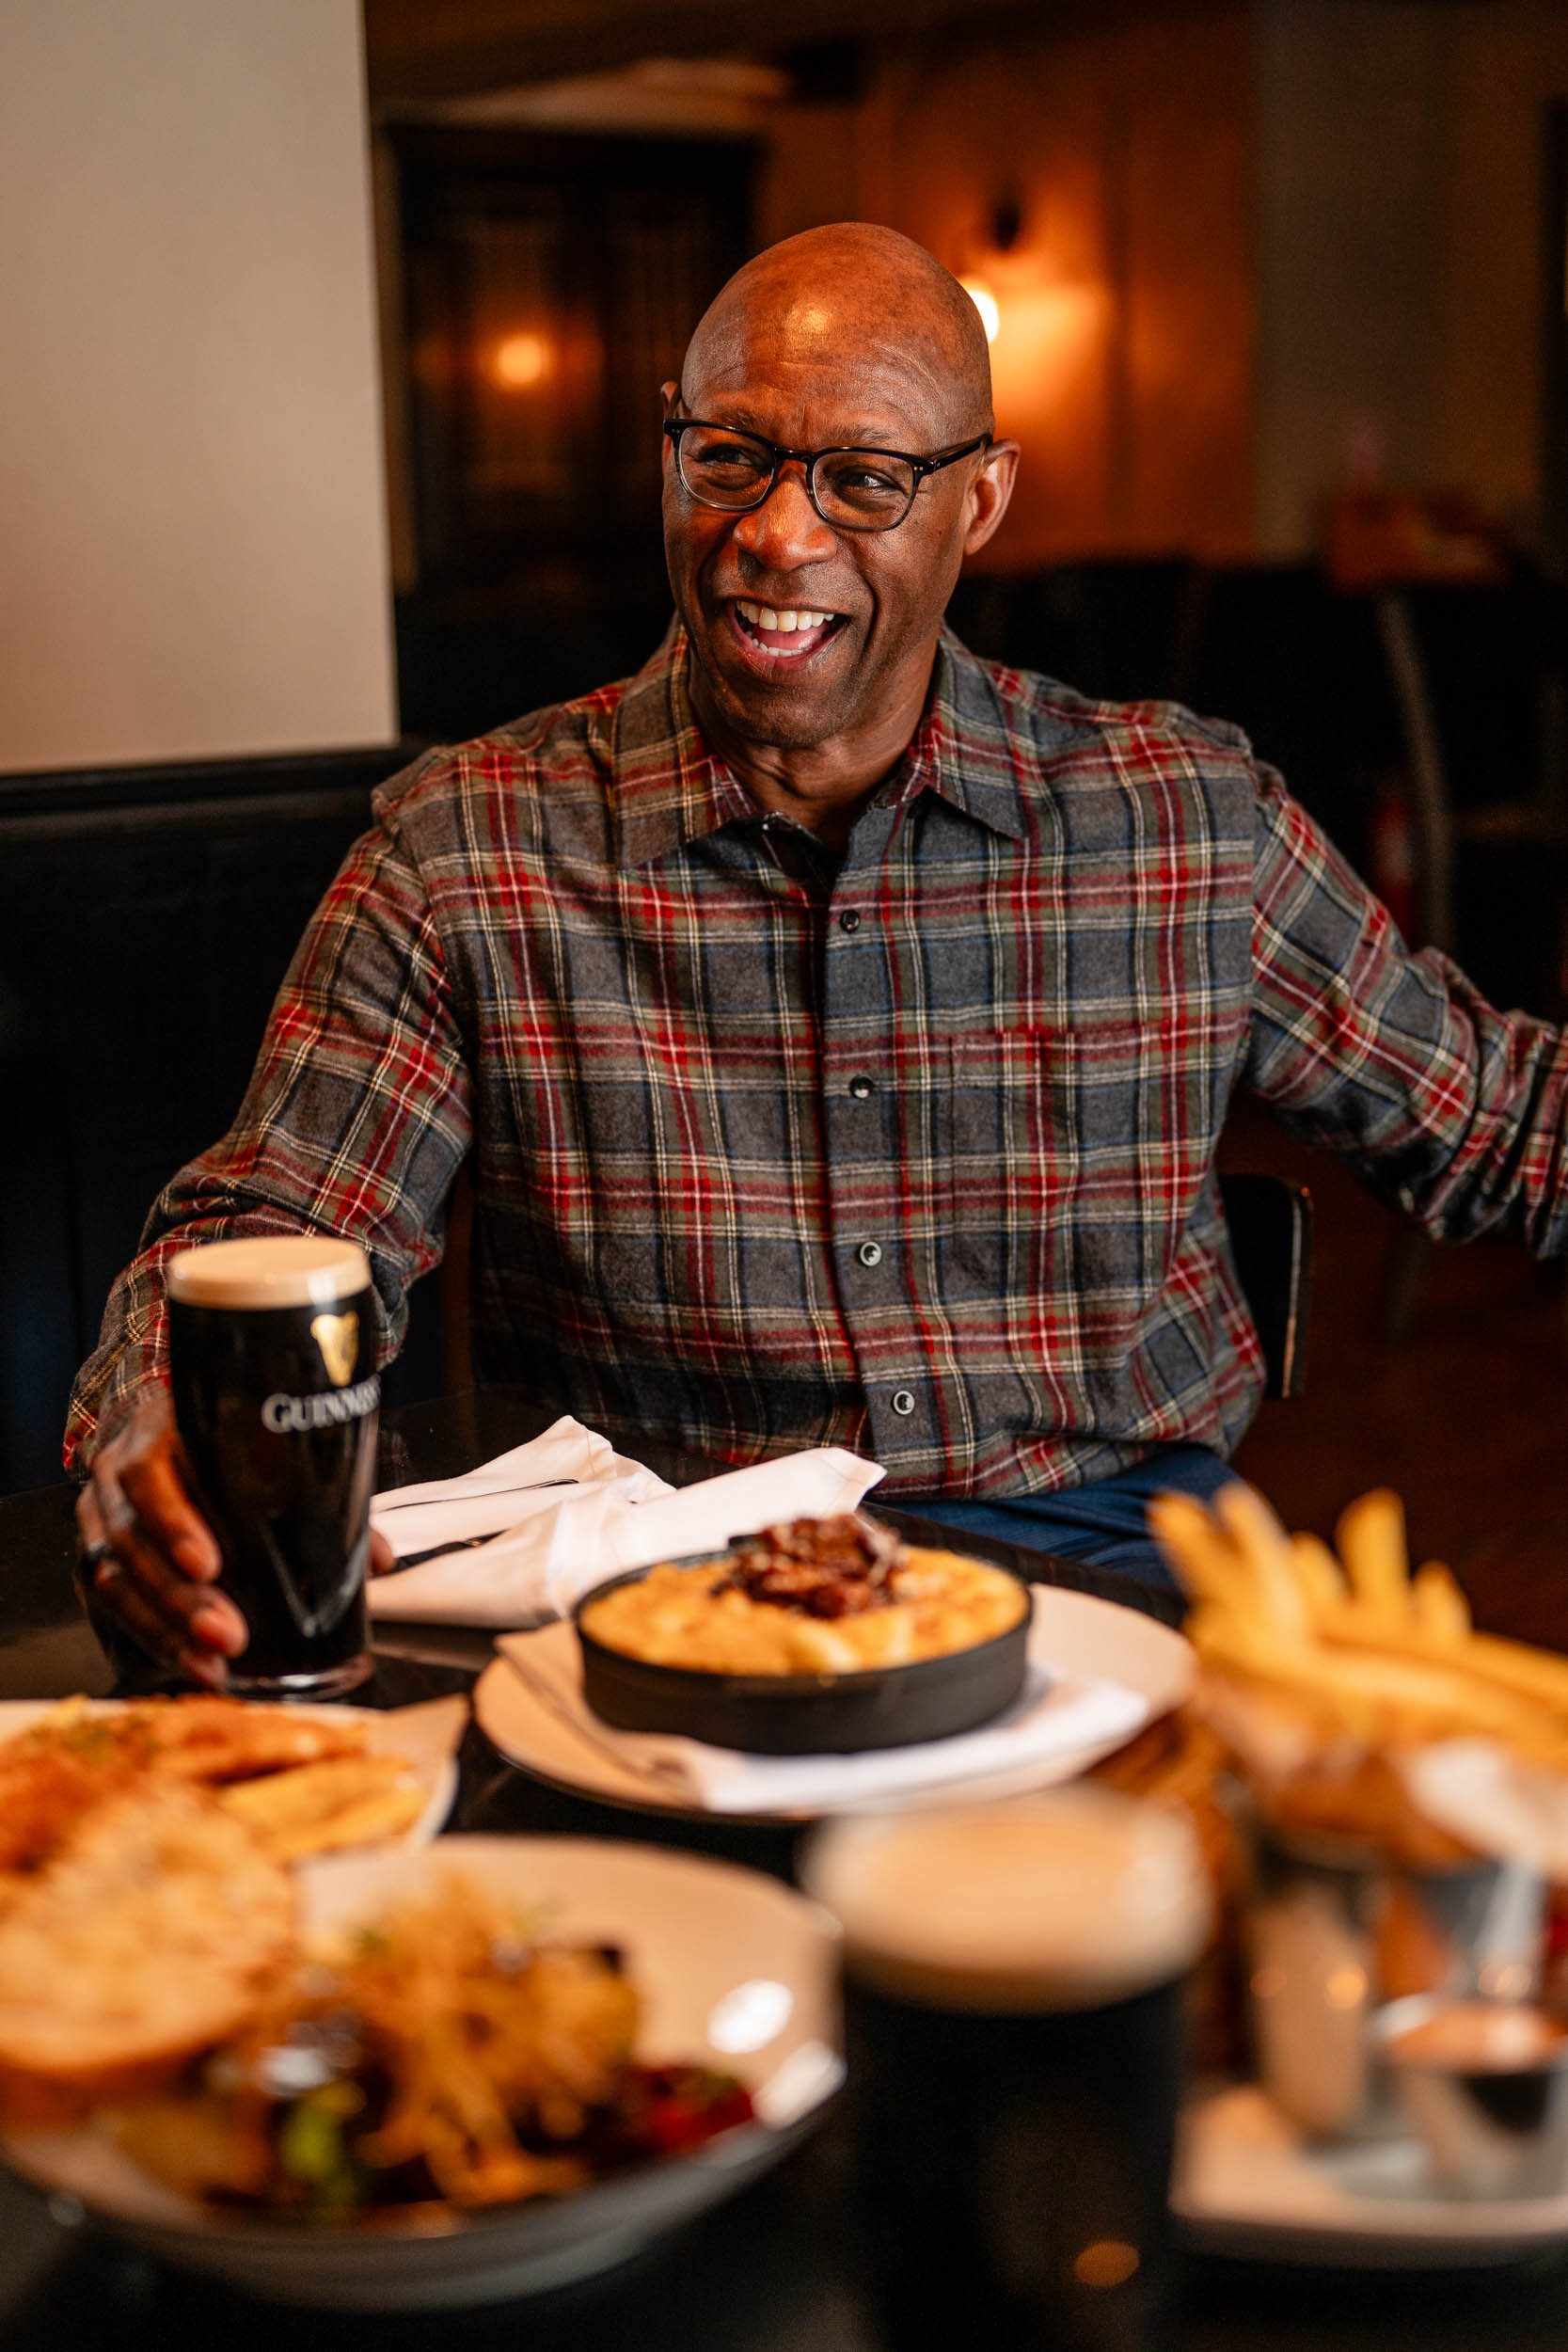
(426,1734)
(1073,1632)
(732,1970)
(1246,2184)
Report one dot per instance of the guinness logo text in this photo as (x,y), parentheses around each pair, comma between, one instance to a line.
(280,1413)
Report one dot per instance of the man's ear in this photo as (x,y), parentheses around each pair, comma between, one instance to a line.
(990,492)
(668,400)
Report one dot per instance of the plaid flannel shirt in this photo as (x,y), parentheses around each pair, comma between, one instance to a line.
(916,1155)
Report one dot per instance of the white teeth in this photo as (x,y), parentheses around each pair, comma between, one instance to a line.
(783,623)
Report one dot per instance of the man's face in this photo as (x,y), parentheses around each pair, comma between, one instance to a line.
(867,604)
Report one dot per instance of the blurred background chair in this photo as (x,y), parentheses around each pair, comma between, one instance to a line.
(1271,1241)
(1490,869)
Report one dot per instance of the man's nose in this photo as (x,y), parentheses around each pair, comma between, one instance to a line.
(785,531)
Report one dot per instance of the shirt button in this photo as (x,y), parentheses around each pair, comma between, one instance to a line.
(849,921)
(862,1088)
(870,1253)
(902,1402)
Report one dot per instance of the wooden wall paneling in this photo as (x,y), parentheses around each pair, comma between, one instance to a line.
(1190,304)
(1123,363)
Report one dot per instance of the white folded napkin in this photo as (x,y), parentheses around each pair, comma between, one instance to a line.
(1054,1715)
(565,1511)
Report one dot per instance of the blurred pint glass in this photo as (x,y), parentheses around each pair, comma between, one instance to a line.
(272,1358)
(1012,2011)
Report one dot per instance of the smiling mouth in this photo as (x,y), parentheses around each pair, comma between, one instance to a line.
(785,634)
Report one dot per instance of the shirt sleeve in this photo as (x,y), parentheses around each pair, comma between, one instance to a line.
(356,1120)
(1447,1108)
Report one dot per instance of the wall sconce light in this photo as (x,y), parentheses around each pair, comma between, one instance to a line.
(1007,223)
(986,303)
(1045,327)
(1004,228)
(521,360)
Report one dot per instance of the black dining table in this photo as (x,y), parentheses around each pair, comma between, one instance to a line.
(778,2268)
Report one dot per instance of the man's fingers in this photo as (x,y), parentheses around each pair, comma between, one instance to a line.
(149,1557)
(157,1492)
(90,1519)
(382,1556)
(190,1615)
(164,1639)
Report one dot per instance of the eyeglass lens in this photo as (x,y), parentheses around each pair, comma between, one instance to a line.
(863,489)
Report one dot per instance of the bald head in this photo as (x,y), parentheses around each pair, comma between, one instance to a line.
(851,287)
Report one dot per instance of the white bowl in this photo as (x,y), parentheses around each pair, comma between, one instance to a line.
(734,1970)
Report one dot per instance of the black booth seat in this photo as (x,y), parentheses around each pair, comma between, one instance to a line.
(149,914)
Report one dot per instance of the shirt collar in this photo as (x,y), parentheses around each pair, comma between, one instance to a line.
(963,748)
(670,789)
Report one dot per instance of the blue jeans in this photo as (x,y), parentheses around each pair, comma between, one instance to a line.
(1103,1522)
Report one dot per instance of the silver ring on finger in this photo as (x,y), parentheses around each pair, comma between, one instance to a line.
(98,1559)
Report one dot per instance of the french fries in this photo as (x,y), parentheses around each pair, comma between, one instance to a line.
(1354,1650)
(1372,1544)
(317,1808)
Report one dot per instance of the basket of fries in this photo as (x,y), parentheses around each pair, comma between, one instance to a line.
(1406,1778)
(1322,1675)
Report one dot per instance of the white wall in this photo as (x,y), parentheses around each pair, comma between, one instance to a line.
(193,556)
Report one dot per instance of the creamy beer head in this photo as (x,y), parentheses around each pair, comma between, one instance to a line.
(1067,1901)
(271,1270)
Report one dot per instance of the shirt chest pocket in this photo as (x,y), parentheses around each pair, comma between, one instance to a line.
(1074,1155)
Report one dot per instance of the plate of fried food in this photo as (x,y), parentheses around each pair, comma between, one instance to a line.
(1406,1779)
(411,2079)
(304,1780)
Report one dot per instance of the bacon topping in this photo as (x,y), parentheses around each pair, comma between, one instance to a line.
(821,1568)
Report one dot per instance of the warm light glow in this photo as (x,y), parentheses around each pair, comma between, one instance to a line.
(521,360)
(985,302)
(1110,2262)
(1054,346)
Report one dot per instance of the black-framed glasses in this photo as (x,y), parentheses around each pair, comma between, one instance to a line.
(852,489)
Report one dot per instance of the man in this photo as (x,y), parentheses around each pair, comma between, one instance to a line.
(838,1029)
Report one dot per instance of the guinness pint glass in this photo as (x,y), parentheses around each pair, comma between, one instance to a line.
(272,1356)
(1012,1991)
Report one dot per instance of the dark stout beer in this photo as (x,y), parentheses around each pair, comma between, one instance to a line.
(1011,2013)
(272,1355)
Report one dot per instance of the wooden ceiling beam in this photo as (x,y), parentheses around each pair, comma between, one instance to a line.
(430,49)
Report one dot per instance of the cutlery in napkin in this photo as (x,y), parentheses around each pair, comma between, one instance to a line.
(1054,1715)
(523,1538)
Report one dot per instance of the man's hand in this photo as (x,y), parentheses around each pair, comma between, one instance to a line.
(150,1558)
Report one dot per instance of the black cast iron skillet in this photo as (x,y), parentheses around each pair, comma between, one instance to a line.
(829,1714)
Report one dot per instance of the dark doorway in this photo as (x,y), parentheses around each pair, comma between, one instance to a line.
(550,285)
